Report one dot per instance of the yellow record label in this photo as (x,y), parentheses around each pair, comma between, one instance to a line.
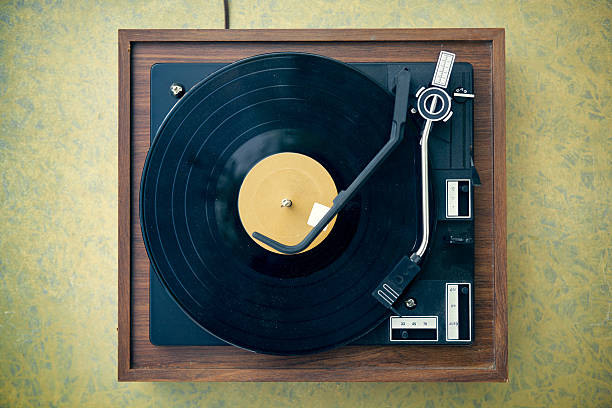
(283,196)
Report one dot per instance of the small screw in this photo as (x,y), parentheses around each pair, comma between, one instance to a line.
(177,90)
(286,202)
(413,111)
(411,303)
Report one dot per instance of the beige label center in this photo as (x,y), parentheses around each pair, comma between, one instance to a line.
(281,193)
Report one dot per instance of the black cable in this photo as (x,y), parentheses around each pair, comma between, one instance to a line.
(226,10)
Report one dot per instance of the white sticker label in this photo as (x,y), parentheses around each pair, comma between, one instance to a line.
(318,211)
(452,312)
(452,198)
(443,69)
(414,323)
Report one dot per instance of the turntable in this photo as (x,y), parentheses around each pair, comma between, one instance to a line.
(293,205)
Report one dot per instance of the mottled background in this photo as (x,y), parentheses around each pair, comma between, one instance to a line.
(58,200)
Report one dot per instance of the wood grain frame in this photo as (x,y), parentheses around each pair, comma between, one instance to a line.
(485,360)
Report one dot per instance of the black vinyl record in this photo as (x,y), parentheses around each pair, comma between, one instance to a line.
(227,283)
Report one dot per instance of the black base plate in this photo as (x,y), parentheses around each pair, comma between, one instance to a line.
(450,147)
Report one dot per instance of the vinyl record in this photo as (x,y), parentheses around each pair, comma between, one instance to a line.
(231,286)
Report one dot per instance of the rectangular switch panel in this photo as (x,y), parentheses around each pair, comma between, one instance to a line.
(413,328)
(458,312)
(458,198)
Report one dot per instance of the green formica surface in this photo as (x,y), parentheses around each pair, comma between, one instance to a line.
(58,201)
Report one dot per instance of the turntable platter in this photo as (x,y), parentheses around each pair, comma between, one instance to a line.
(282,197)
(195,201)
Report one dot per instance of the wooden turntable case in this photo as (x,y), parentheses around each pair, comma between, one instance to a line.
(485,360)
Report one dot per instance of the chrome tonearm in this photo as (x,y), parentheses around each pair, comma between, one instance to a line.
(433,104)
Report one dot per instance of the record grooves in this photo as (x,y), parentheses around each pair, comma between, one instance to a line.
(226,124)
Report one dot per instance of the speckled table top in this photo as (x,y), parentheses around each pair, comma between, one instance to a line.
(58,200)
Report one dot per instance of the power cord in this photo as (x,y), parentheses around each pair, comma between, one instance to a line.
(226,12)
